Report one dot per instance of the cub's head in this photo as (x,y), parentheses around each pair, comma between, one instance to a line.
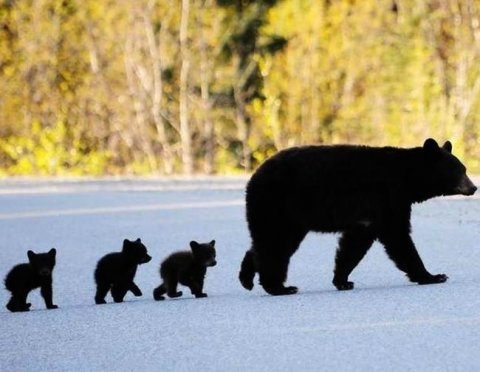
(42,263)
(136,251)
(204,253)
(446,174)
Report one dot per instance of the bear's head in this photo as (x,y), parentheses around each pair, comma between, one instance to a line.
(204,253)
(445,174)
(135,251)
(42,263)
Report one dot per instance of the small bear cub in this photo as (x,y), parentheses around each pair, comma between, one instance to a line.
(27,276)
(187,268)
(115,271)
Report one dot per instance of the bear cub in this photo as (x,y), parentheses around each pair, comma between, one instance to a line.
(27,276)
(115,271)
(187,268)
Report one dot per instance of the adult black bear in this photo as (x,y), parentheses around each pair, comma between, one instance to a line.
(365,193)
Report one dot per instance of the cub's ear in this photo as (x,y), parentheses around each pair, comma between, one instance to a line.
(194,245)
(212,243)
(138,240)
(447,146)
(430,145)
(52,252)
(31,255)
(127,244)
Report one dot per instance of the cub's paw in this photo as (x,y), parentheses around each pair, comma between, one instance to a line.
(157,295)
(51,307)
(433,279)
(291,290)
(100,301)
(138,294)
(201,295)
(25,307)
(344,286)
(247,284)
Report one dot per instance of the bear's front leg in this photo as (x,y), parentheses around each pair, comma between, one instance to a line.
(135,290)
(401,249)
(46,292)
(432,279)
(196,287)
(118,292)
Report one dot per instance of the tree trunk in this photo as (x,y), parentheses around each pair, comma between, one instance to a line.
(185,133)
(157,87)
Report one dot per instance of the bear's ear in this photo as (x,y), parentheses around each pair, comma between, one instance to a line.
(447,146)
(194,245)
(126,245)
(31,255)
(430,145)
(52,252)
(138,240)
(212,243)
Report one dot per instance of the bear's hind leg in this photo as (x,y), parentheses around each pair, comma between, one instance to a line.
(273,275)
(247,270)
(159,292)
(352,247)
(18,302)
(102,290)
(171,286)
(273,259)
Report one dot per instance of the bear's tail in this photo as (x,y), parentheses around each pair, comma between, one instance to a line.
(247,270)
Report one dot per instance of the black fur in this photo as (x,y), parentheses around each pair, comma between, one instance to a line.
(187,268)
(365,193)
(115,271)
(27,276)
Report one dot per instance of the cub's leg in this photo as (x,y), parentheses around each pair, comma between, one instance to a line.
(135,290)
(196,287)
(171,287)
(102,290)
(159,292)
(119,290)
(46,292)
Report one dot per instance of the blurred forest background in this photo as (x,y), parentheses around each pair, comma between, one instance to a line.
(215,86)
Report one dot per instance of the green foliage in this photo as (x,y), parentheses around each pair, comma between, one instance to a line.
(94,87)
(48,151)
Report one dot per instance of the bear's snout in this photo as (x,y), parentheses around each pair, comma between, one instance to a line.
(44,272)
(146,258)
(466,186)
